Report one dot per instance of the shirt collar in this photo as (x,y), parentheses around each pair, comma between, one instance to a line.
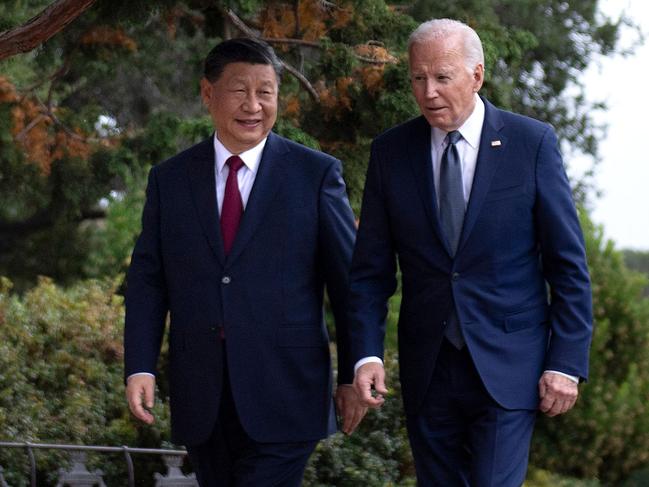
(471,129)
(251,158)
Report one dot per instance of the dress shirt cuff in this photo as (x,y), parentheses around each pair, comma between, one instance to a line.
(571,377)
(139,373)
(367,360)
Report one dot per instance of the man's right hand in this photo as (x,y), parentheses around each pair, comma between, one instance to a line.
(370,376)
(140,396)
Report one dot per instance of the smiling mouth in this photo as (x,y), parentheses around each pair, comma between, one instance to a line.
(249,123)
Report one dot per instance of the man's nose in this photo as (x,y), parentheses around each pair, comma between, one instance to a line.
(251,103)
(431,89)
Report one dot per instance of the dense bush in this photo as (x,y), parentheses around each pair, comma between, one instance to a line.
(606,436)
(543,478)
(61,381)
(376,455)
(61,378)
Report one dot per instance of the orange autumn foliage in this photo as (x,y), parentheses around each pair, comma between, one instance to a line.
(7,91)
(278,20)
(291,107)
(327,96)
(35,134)
(174,16)
(110,37)
(372,77)
(335,99)
(312,20)
(341,17)
(374,52)
(69,146)
(342,87)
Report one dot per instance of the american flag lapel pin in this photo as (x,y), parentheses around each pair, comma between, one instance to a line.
(495,143)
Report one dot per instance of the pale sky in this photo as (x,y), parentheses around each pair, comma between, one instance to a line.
(623,174)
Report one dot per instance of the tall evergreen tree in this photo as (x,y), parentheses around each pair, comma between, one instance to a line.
(117,90)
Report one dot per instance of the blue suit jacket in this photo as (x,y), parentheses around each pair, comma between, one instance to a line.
(520,232)
(295,237)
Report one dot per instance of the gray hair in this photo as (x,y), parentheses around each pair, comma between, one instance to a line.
(437,28)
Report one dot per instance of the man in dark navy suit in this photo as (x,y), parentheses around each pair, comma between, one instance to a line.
(240,235)
(495,321)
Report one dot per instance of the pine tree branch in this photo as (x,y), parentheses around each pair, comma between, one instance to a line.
(298,42)
(23,133)
(251,33)
(49,112)
(42,27)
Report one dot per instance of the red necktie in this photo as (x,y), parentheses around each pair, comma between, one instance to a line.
(232,208)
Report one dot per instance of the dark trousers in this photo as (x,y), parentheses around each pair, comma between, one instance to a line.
(461,437)
(230,458)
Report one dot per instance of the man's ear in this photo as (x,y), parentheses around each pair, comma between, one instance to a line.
(478,77)
(206,91)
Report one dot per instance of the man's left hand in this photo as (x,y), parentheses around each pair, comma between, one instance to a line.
(558,394)
(349,407)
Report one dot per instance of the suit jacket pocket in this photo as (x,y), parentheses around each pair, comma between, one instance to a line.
(301,336)
(527,318)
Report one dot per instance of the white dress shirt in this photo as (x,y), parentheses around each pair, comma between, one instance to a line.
(467,147)
(245,177)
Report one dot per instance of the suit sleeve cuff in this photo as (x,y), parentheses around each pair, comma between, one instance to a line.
(140,373)
(367,360)
(571,377)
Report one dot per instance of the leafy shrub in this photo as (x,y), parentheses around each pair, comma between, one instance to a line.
(606,436)
(61,378)
(61,381)
(376,455)
(543,478)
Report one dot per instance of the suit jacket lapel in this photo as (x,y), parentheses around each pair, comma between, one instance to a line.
(202,181)
(419,152)
(267,182)
(489,157)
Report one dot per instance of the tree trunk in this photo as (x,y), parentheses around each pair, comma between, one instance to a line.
(41,27)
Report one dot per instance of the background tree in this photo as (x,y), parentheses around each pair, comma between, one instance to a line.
(88,112)
(85,115)
(638,261)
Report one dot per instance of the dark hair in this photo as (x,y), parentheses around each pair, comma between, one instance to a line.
(241,50)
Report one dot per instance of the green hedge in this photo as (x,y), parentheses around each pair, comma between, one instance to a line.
(61,381)
(376,455)
(606,436)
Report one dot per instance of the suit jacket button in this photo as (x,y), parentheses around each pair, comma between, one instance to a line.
(455,276)
(226,280)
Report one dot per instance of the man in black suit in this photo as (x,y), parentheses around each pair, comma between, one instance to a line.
(240,235)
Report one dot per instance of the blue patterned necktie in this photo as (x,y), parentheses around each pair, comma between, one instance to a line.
(451,194)
(451,213)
